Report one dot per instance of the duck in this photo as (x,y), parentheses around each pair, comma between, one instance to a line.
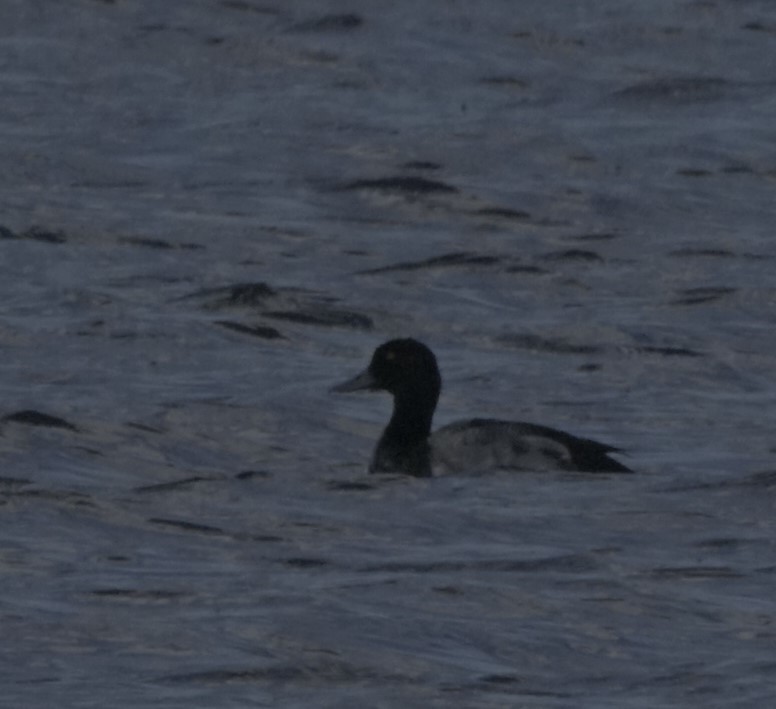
(408,370)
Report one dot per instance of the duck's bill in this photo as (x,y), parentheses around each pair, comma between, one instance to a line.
(362,381)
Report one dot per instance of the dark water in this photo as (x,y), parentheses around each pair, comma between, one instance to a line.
(214,210)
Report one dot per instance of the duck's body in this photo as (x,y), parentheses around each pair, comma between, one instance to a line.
(493,444)
(408,370)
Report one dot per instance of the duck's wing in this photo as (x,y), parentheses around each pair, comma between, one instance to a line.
(481,444)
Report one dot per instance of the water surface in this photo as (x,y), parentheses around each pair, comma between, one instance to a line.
(213,211)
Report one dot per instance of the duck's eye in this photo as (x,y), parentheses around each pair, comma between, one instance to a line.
(390,356)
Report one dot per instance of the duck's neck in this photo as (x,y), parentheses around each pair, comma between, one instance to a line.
(403,447)
(411,419)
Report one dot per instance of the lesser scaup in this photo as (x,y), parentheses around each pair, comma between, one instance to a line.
(408,370)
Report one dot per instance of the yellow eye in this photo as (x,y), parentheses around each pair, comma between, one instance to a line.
(390,355)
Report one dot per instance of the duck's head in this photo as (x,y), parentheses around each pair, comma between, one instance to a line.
(400,367)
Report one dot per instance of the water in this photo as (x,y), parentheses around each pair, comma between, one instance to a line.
(572,205)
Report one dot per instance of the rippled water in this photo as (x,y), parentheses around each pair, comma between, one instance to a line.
(214,210)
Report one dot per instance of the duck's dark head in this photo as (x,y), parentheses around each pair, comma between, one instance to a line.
(404,368)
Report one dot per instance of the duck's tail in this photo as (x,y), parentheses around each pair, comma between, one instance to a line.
(594,457)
